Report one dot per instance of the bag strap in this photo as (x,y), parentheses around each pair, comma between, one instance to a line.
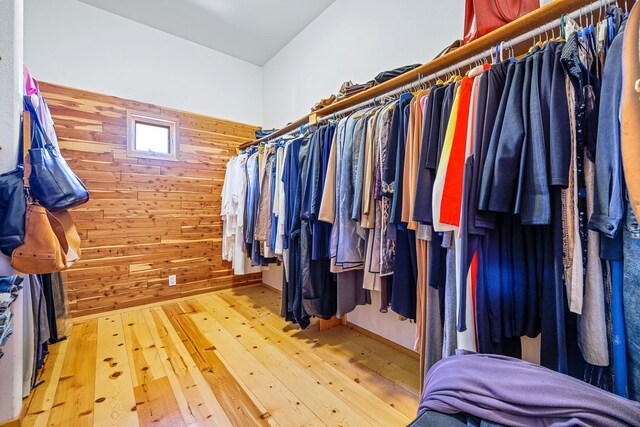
(502,12)
(59,231)
(36,123)
(25,143)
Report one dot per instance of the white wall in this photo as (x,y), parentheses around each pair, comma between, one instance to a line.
(10,108)
(367,316)
(354,40)
(73,44)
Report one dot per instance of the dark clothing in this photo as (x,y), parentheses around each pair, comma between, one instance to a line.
(297,156)
(395,157)
(405,274)
(395,133)
(318,283)
(486,182)
(508,139)
(608,209)
(557,129)
(437,253)
(533,202)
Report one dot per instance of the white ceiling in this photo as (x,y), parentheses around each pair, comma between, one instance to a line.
(252,30)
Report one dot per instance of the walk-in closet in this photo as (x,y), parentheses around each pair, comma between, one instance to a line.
(319,213)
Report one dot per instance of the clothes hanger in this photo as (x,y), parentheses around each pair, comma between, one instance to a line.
(450,79)
(626,9)
(454,77)
(539,42)
(533,45)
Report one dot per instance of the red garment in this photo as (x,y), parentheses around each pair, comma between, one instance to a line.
(452,189)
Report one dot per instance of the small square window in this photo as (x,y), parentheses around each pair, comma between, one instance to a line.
(151,137)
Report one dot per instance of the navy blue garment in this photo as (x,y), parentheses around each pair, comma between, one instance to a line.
(252,171)
(539,270)
(292,177)
(423,197)
(553,296)
(318,283)
(395,216)
(509,139)
(443,100)
(507,271)
(289,170)
(405,271)
(493,282)
(488,312)
(557,133)
(437,252)
(311,175)
(534,201)
(445,115)
(405,274)
(468,247)
(479,151)
(301,234)
(487,177)
(519,278)
(321,231)
(389,167)
(274,219)
(395,158)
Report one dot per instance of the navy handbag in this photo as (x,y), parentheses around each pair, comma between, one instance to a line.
(52,182)
(13,205)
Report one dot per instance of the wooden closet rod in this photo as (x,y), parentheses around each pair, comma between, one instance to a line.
(524,38)
(477,48)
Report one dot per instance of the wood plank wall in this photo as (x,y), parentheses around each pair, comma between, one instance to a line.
(147,218)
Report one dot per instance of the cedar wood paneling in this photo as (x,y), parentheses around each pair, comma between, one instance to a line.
(147,218)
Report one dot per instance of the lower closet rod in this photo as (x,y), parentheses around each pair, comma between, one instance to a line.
(486,54)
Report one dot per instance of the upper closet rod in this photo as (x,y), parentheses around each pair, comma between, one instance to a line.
(486,54)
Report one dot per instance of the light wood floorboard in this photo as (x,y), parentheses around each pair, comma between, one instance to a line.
(221,359)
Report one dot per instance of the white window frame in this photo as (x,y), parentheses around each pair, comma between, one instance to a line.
(134,117)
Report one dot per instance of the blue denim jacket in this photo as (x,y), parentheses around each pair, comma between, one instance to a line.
(608,209)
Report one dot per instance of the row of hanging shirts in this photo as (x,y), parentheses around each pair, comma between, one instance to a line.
(487,207)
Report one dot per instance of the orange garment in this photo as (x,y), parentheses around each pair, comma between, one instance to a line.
(422,256)
(452,188)
(411,159)
(406,172)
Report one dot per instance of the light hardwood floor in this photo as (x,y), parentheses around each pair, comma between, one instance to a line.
(225,358)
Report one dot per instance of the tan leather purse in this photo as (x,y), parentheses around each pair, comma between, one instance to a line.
(42,251)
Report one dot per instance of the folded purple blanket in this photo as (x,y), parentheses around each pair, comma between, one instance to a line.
(514,392)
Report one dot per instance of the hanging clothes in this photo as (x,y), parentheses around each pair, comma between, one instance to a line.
(486,208)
